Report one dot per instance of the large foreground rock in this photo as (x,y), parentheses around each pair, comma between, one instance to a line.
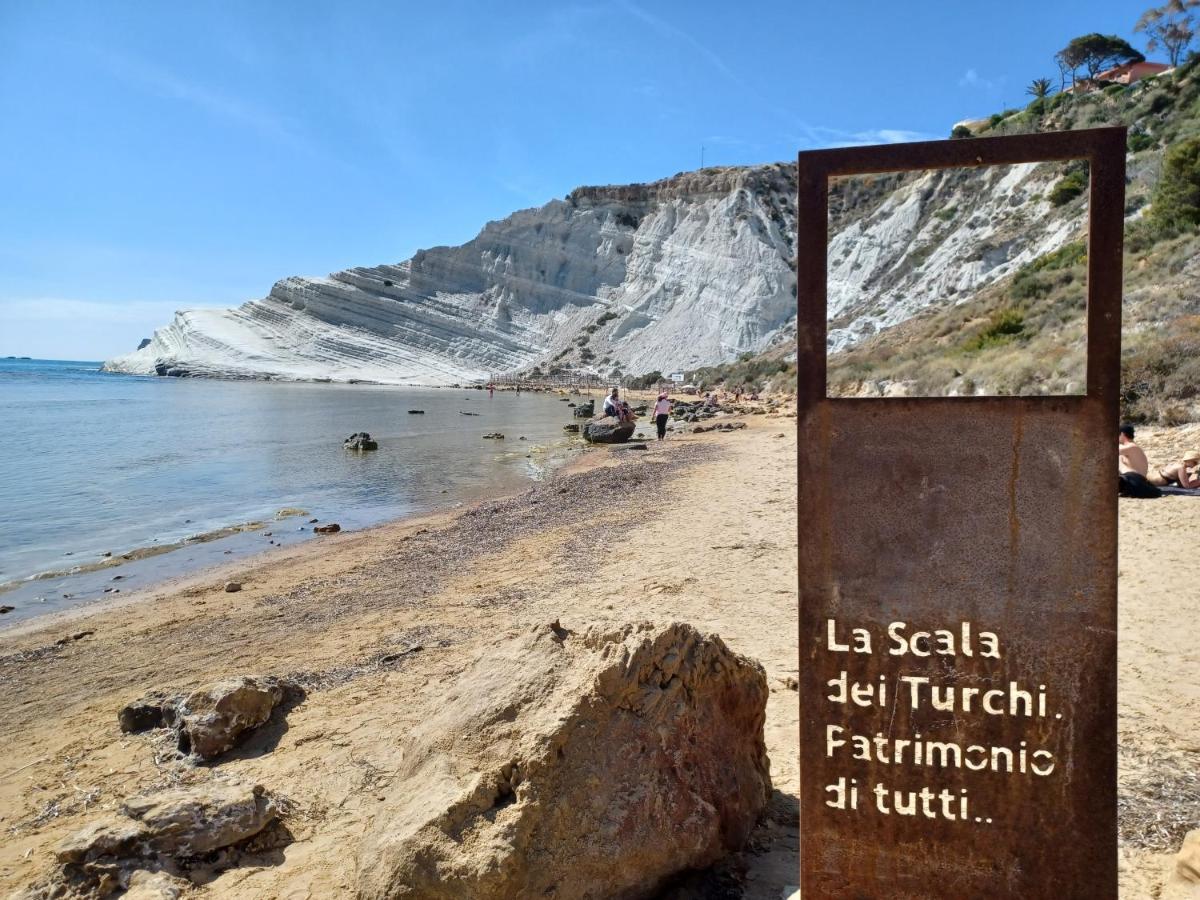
(564,765)
(608,430)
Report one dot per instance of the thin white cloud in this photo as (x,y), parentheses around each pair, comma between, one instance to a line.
(813,137)
(161,82)
(973,80)
(665,28)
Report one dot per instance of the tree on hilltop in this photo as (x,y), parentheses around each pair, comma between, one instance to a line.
(1040,88)
(1170,27)
(1094,53)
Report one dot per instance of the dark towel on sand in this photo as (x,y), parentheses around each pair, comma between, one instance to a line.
(1180,492)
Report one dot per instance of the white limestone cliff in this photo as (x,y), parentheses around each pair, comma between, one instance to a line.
(689,271)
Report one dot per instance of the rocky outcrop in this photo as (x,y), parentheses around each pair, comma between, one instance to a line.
(608,430)
(213,719)
(574,766)
(685,272)
(157,833)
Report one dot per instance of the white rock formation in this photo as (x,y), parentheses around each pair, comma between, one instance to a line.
(689,271)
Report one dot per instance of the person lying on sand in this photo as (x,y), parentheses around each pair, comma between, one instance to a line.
(1130,457)
(1183,473)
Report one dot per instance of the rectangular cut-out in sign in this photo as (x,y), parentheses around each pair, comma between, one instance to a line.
(958,595)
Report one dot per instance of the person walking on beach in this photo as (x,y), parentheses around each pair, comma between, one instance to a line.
(662,411)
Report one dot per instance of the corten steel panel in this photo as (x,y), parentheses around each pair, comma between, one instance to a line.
(997,511)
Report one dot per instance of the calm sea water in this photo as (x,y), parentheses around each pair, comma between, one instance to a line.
(94,463)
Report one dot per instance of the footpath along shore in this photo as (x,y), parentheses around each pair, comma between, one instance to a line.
(700,529)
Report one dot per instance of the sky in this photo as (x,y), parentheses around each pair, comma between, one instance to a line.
(161,156)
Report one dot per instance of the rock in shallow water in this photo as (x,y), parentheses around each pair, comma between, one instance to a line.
(607,430)
(577,766)
(360,440)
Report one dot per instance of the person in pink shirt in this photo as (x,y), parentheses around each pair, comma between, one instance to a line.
(662,410)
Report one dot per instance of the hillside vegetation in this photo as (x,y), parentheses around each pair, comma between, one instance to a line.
(1025,334)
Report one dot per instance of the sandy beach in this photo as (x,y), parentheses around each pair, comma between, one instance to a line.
(375,625)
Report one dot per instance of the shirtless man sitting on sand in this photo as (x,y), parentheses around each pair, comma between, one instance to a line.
(1130,457)
(1183,473)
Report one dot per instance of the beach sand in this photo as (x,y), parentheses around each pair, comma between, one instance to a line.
(701,529)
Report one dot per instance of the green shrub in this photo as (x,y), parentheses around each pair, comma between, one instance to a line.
(1175,206)
(649,380)
(1003,327)
(961,131)
(1161,370)
(1068,188)
(1139,141)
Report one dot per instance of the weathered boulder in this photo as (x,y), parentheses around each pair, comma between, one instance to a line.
(155,832)
(576,766)
(608,430)
(191,822)
(360,440)
(211,720)
(331,528)
(585,410)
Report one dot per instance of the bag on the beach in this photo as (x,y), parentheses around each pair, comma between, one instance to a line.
(1131,484)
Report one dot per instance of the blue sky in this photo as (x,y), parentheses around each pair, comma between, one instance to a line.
(157,156)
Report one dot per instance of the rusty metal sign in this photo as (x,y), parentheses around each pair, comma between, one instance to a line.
(958,652)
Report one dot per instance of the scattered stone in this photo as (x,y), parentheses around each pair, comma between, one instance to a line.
(493,436)
(638,446)
(607,430)
(4,609)
(572,428)
(576,765)
(288,511)
(106,554)
(117,577)
(232,587)
(211,720)
(461,413)
(585,410)
(71,638)
(360,440)
(416,412)
(331,528)
(313,521)
(143,713)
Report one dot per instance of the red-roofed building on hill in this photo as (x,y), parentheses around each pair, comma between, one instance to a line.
(1128,73)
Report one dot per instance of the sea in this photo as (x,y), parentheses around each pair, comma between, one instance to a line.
(110,483)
